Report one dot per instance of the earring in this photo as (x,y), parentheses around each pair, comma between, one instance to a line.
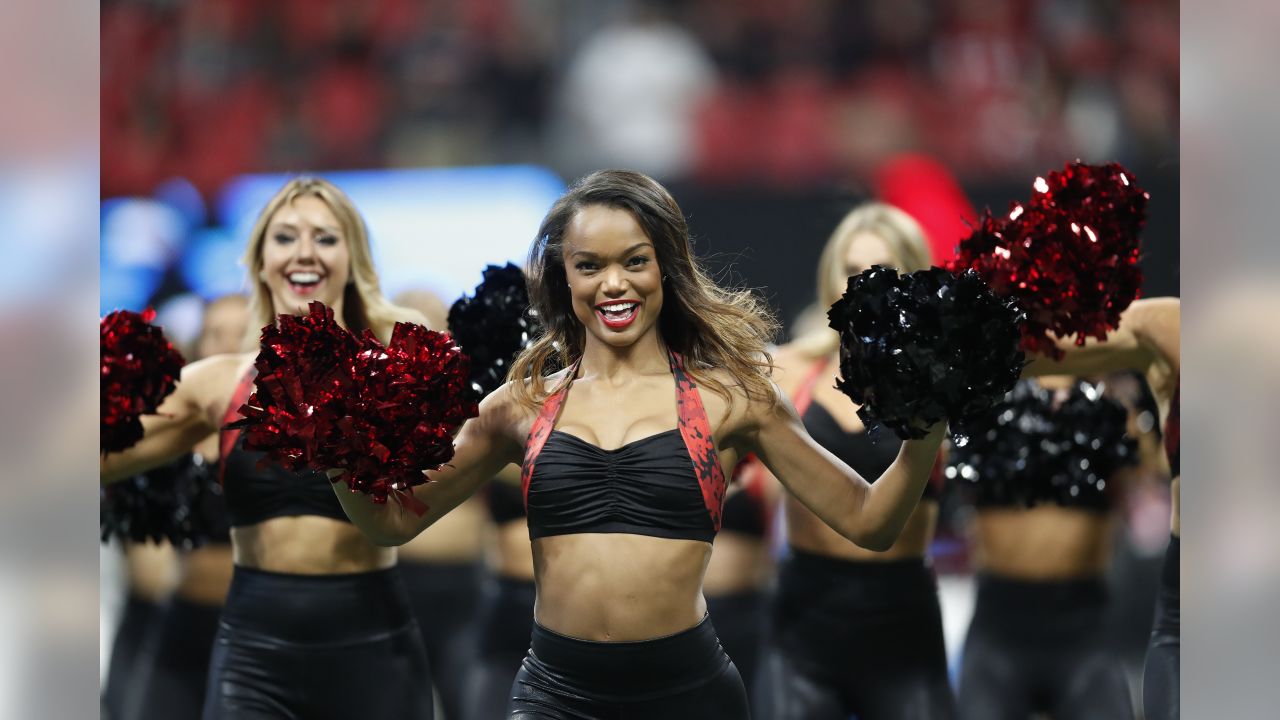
(664,278)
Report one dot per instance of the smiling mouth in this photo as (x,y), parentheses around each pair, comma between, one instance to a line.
(618,315)
(304,283)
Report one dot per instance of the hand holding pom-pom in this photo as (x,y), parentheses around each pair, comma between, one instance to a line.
(327,400)
(305,379)
(1070,256)
(925,347)
(494,326)
(413,396)
(139,368)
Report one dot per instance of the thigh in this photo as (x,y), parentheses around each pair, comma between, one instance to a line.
(1160,678)
(915,696)
(537,696)
(723,697)
(782,691)
(249,680)
(386,679)
(488,691)
(1093,687)
(900,671)
(992,686)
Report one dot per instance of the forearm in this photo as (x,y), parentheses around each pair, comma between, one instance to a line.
(388,524)
(892,498)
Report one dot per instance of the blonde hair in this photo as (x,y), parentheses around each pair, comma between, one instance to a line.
(363,304)
(907,245)
(711,326)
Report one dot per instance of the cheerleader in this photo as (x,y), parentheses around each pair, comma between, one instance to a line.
(624,459)
(317,623)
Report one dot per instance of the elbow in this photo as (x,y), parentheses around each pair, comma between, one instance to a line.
(386,537)
(387,541)
(874,539)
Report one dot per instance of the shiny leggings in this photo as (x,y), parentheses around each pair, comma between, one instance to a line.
(175,685)
(1160,696)
(685,676)
(1041,646)
(445,600)
(849,638)
(506,623)
(318,647)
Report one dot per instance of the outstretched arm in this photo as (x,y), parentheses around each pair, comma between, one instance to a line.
(483,446)
(182,420)
(1147,339)
(869,515)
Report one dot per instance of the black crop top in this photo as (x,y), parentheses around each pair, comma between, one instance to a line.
(868,453)
(668,485)
(255,494)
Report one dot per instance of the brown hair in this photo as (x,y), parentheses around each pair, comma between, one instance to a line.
(363,305)
(712,327)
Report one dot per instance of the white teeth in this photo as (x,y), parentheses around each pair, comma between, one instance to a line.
(304,278)
(618,310)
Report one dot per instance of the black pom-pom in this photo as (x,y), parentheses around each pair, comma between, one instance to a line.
(180,503)
(920,348)
(494,326)
(1029,451)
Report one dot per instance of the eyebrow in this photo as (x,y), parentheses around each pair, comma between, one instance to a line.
(628,251)
(291,226)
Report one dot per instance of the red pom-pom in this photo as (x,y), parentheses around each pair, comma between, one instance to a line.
(306,377)
(1070,255)
(413,396)
(139,368)
(383,414)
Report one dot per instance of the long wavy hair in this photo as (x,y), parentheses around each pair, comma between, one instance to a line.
(363,304)
(711,326)
(907,245)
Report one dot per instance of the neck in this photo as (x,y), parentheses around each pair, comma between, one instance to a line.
(647,356)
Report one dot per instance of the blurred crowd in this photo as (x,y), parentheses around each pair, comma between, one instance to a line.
(762,92)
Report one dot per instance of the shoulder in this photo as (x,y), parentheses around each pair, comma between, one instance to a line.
(791,363)
(211,382)
(216,372)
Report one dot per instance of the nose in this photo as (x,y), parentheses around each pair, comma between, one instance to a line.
(305,248)
(615,282)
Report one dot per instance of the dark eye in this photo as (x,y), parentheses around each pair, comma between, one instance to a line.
(585,265)
(327,240)
(282,238)
(638,261)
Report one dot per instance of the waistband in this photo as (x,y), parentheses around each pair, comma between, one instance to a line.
(317,609)
(631,670)
(1028,610)
(883,570)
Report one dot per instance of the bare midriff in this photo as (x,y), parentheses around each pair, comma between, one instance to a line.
(740,563)
(609,587)
(308,545)
(205,575)
(805,531)
(1042,543)
(455,539)
(512,556)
